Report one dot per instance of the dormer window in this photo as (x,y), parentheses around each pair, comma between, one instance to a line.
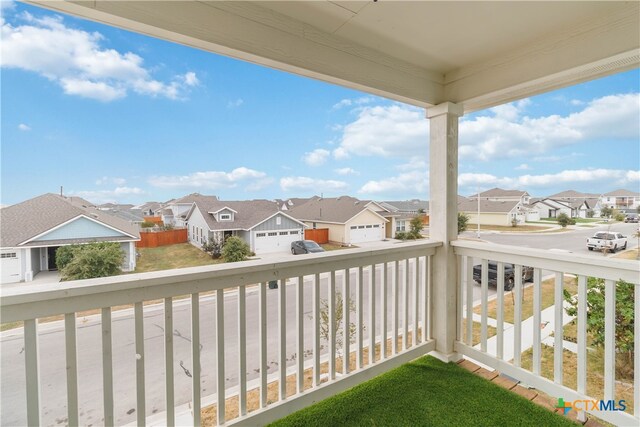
(225,217)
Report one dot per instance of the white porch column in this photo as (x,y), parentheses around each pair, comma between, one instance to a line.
(443,223)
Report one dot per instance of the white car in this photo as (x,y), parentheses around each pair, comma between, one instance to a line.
(608,241)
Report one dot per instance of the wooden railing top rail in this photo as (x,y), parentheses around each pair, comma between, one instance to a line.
(601,267)
(29,301)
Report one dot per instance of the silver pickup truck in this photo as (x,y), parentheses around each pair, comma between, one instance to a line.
(608,241)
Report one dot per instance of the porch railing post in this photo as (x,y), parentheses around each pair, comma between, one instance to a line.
(443,223)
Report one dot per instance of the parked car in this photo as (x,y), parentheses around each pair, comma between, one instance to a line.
(631,218)
(509,269)
(607,241)
(305,247)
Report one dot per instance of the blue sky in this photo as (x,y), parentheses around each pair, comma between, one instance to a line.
(117,116)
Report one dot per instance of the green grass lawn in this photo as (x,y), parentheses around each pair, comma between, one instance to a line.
(172,256)
(425,392)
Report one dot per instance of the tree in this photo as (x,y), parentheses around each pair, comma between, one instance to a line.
(338,320)
(91,260)
(213,247)
(463,221)
(421,211)
(624,318)
(64,255)
(235,249)
(415,227)
(618,216)
(606,212)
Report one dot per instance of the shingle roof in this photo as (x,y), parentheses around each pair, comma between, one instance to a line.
(499,192)
(471,206)
(190,198)
(23,221)
(572,194)
(249,212)
(336,209)
(622,193)
(406,205)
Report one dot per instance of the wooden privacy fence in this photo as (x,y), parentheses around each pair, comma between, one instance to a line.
(154,219)
(153,239)
(318,235)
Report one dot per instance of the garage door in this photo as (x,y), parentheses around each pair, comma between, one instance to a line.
(10,265)
(275,241)
(366,233)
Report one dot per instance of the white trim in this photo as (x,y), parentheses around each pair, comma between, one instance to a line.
(73,219)
(278,213)
(221,209)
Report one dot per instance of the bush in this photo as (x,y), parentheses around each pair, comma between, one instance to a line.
(213,247)
(514,222)
(619,216)
(564,220)
(64,255)
(401,235)
(235,249)
(147,224)
(92,260)
(606,212)
(463,221)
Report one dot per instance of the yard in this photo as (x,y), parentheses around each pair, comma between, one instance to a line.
(518,228)
(172,256)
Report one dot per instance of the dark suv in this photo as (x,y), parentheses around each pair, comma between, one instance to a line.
(509,281)
(631,218)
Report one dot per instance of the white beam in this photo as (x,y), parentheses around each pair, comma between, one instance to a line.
(443,207)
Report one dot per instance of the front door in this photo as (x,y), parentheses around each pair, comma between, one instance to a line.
(51,257)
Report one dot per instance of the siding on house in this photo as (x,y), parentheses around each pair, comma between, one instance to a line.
(196,226)
(336,231)
(271,224)
(489,218)
(35,260)
(81,228)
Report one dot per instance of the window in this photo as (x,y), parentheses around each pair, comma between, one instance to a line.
(369,226)
(8,255)
(261,234)
(376,226)
(278,220)
(284,233)
(361,226)
(273,233)
(353,227)
(293,232)
(225,217)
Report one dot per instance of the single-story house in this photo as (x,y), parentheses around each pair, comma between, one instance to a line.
(260,223)
(32,232)
(349,220)
(550,208)
(400,213)
(493,212)
(501,195)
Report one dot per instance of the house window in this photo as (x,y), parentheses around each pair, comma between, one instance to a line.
(261,234)
(284,233)
(225,217)
(353,227)
(8,255)
(293,232)
(278,220)
(273,233)
(400,226)
(361,226)
(369,226)
(376,226)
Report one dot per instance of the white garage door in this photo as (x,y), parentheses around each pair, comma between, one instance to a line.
(10,265)
(275,241)
(366,233)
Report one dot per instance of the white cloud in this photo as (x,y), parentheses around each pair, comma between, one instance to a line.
(114,180)
(235,103)
(352,102)
(611,117)
(522,167)
(76,61)
(413,164)
(24,127)
(106,196)
(316,157)
(346,171)
(415,182)
(576,102)
(303,183)
(386,131)
(213,180)
(615,176)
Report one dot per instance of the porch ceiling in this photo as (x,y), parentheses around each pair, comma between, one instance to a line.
(479,54)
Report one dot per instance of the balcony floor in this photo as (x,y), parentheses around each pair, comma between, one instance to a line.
(429,392)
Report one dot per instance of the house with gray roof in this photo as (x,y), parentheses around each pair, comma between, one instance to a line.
(260,223)
(401,212)
(349,220)
(491,212)
(174,212)
(500,195)
(621,199)
(32,231)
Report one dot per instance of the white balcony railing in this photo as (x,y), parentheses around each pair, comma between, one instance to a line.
(540,337)
(239,337)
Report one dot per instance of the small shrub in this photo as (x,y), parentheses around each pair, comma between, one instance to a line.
(415,228)
(514,222)
(148,224)
(619,216)
(564,220)
(463,222)
(213,247)
(64,255)
(168,227)
(401,235)
(235,249)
